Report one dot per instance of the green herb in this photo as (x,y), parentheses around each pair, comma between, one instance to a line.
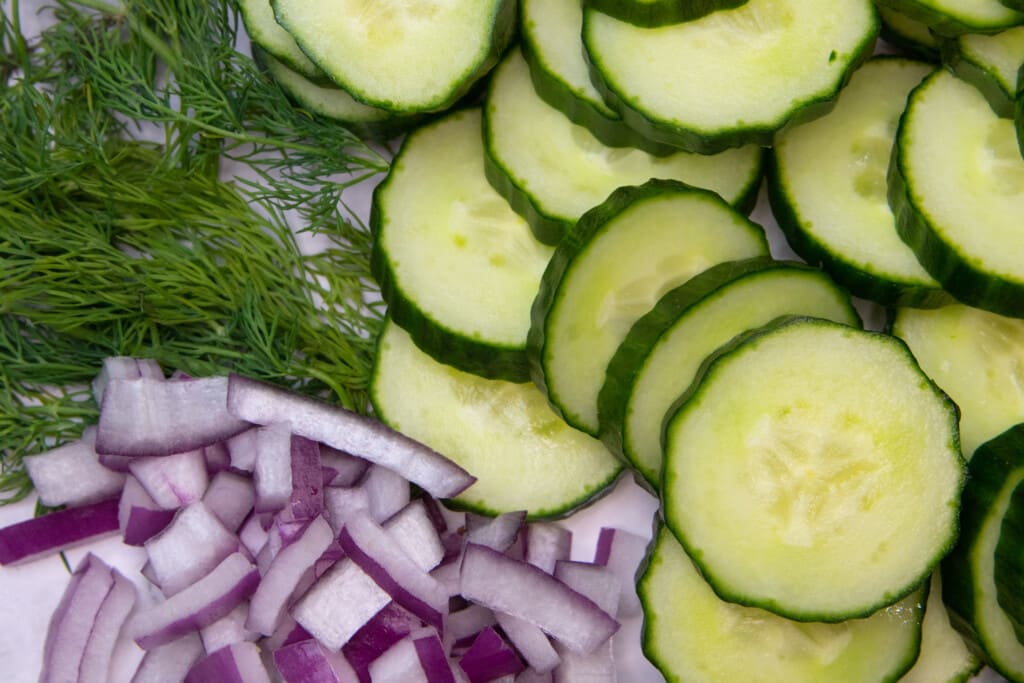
(118,237)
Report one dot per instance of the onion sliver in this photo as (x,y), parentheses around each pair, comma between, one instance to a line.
(56,531)
(238,663)
(308,662)
(72,474)
(489,657)
(99,650)
(170,662)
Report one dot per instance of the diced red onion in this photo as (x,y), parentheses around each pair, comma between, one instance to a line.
(307,496)
(532,676)
(388,492)
(255,401)
(603,586)
(348,468)
(71,474)
(522,590)
(170,662)
(151,417)
(139,517)
(339,604)
(57,531)
(622,552)
(217,457)
(172,480)
(253,535)
(414,532)
(238,663)
(228,630)
(531,642)
(230,497)
(498,533)
(242,450)
(199,605)
(124,367)
(343,503)
(287,633)
(467,623)
(546,543)
(189,548)
(418,657)
(99,650)
(309,662)
(272,472)
(327,560)
(489,657)
(387,627)
(432,656)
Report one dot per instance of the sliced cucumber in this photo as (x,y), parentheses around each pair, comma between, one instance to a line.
(968,573)
(458,268)
(989,63)
(523,455)
(813,470)
(663,351)
(1009,560)
(827,186)
(944,657)
(692,636)
(955,17)
(909,35)
(402,56)
(956,185)
(977,358)
(654,13)
(733,77)
(265,32)
(610,269)
(552,170)
(335,103)
(553,47)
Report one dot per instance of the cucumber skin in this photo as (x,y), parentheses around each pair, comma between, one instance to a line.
(1019,110)
(891,34)
(661,12)
(979,76)
(940,22)
(713,143)
(955,273)
(987,473)
(854,279)
(1009,562)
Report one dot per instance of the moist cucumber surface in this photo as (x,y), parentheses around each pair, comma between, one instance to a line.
(990,63)
(908,34)
(523,455)
(552,170)
(458,268)
(420,55)
(693,636)
(944,656)
(265,32)
(654,13)
(955,17)
(664,350)
(814,471)
(827,185)
(732,77)
(618,260)
(956,185)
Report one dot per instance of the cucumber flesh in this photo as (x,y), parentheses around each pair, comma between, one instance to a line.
(909,35)
(956,17)
(944,656)
(814,471)
(523,455)
(990,63)
(690,634)
(654,13)
(1009,562)
(264,31)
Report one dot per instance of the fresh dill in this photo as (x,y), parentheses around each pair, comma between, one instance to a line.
(118,234)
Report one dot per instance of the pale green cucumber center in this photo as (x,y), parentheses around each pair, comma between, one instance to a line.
(907,27)
(703,638)
(748,66)
(642,253)
(965,173)
(1002,54)
(505,434)
(977,358)
(815,469)
(453,243)
(674,361)
(566,170)
(834,171)
(944,655)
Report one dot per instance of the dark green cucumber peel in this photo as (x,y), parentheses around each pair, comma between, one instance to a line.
(941,22)
(547,229)
(1009,561)
(979,75)
(661,12)
(849,275)
(673,133)
(1014,4)
(1019,110)
(897,36)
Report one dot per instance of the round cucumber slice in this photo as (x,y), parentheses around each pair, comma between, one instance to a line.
(654,13)
(266,33)
(814,471)
(955,17)
(944,656)
(523,455)
(610,269)
(909,35)
(989,63)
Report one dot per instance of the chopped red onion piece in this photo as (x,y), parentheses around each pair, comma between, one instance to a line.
(530,642)
(217,457)
(99,650)
(116,463)
(307,496)
(280,581)
(532,676)
(388,492)
(242,450)
(449,574)
(287,633)
(272,472)
(489,657)
(138,515)
(154,417)
(238,663)
(327,560)
(343,503)
(124,367)
(339,604)
(546,543)
(418,657)
(309,662)
(433,658)
(498,533)
(253,535)
(230,497)
(172,480)
(622,552)
(386,628)
(199,605)
(228,630)
(170,662)
(371,547)
(72,622)
(350,432)
(522,590)
(348,468)
(464,624)
(414,532)
(603,586)
(71,474)
(189,548)
(57,531)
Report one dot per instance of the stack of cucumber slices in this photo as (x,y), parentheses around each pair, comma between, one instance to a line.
(575,288)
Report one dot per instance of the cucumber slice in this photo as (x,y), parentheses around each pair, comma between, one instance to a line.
(968,573)
(909,35)
(944,657)
(654,13)
(990,64)
(733,77)
(458,268)
(334,103)
(552,45)
(552,170)
(691,635)
(401,56)
(523,455)
(663,351)
(827,186)
(955,17)
(610,269)
(265,32)
(813,471)
(977,358)
(1009,562)
(956,185)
